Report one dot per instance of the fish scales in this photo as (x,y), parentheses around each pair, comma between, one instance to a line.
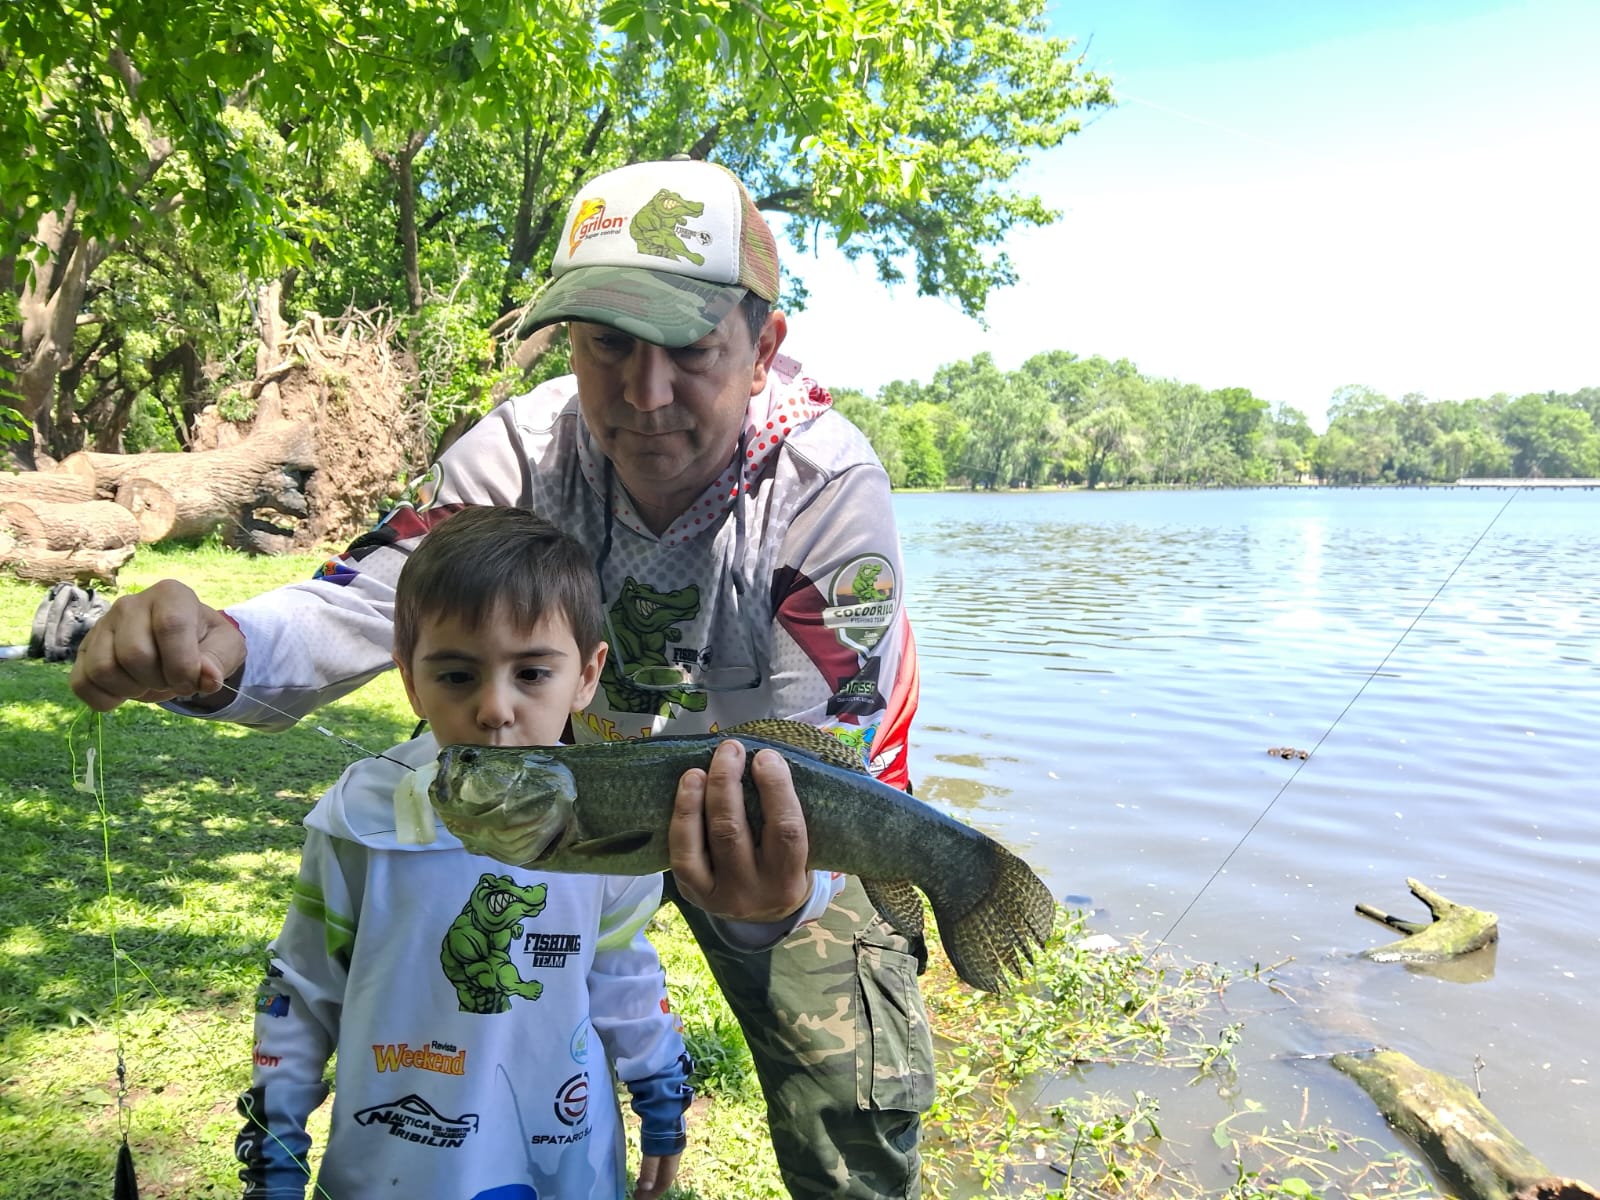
(605,808)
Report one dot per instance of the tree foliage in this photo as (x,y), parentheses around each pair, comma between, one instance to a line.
(424,154)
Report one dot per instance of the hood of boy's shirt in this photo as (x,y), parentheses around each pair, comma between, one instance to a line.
(360,807)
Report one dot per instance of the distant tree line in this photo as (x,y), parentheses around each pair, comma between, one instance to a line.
(1060,419)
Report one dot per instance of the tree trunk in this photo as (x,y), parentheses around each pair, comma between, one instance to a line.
(48,306)
(271,362)
(90,525)
(400,164)
(1452,930)
(1462,1140)
(83,567)
(104,473)
(186,496)
(56,487)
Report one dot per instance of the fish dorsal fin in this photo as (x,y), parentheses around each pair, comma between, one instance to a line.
(818,743)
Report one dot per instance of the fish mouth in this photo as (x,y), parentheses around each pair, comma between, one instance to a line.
(514,807)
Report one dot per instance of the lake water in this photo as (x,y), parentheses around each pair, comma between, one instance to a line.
(1103,674)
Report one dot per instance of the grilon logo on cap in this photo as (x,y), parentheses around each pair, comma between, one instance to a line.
(589,220)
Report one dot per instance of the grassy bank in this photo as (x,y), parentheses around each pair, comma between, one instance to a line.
(199,846)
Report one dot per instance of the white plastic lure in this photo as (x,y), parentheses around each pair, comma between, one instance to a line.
(413,811)
(86,784)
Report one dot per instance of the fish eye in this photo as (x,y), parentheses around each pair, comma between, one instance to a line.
(468,756)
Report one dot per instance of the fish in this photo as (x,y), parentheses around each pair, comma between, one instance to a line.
(604,808)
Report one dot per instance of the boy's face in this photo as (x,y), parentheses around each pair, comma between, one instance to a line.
(498,685)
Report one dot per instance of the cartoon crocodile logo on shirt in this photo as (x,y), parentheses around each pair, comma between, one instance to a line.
(644,621)
(864,587)
(654,227)
(475,952)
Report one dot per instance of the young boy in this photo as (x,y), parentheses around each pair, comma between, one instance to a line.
(479,1011)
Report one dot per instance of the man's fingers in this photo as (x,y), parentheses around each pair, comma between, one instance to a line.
(784,845)
(175,632)
(686,835)
(727,824)
(154,645)
(783,836)
(113,662)
(714,857)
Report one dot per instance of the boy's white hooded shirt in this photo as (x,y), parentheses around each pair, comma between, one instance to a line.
(478,1011)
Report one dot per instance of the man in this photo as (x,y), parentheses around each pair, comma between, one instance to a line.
(746,546)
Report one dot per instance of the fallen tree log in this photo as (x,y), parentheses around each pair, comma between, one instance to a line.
(186,496)
(1451,931)
(32,564)
(105,472)
(91,525)
(1461,1138)
(51,486)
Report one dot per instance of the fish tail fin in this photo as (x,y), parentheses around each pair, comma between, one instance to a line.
(898,903)
(992,940)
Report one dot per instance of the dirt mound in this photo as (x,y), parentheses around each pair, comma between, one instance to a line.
(346,379)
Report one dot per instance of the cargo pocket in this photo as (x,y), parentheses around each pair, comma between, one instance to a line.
(894,1047)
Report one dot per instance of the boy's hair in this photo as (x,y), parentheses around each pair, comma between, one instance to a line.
(487,556)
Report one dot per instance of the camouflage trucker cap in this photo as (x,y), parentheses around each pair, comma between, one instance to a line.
(662,250)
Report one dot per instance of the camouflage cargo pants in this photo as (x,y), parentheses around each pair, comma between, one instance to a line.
(841,1044)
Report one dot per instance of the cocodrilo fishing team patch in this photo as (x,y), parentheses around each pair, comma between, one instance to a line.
(861,602)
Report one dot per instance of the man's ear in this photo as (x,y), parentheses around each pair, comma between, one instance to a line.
(767,345)
(411,691)
(589,678)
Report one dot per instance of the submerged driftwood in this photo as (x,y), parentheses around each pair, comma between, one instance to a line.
(1451,931)
(1461,1138)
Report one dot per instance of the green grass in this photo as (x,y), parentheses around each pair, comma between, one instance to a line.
(204,834)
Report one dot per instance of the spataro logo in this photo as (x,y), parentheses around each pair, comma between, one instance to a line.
(572,1099)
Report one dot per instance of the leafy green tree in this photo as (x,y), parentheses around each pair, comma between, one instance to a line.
(1245,419)
(898,128)
(881,427)
(1290,442)
(1587,399)
(1004,414)
(1368,444)
(1550,440)
(1183,427)
(919,446)
(1112,437)
(974,107)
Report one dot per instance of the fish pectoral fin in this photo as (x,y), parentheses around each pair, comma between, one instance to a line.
(625,842)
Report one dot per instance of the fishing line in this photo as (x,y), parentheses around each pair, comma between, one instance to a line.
(92,782)
(322,729)
(1300,766)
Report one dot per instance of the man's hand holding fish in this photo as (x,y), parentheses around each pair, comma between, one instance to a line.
(716,860)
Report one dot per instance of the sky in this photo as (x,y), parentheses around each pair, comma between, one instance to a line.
(1290,196)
